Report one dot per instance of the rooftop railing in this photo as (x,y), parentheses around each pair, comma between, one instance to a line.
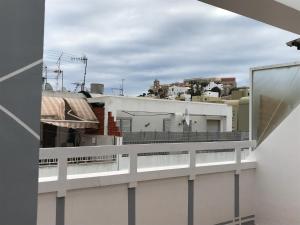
(154,137)
(130,170)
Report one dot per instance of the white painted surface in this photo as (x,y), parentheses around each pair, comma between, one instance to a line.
(161,190)
(177,90)
(278,184)
(103,205)
(162,202)
(176,110)
(156,200)
(247,192)
(68,182)
(46,209)
(214,198)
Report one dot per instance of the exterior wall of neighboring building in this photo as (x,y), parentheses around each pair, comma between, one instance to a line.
(151,122)
(239,93)
(235,113)
(209,99)
(243,115)
(149,114)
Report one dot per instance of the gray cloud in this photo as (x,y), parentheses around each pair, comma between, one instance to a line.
(169,40)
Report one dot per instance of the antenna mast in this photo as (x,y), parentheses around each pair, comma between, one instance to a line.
(45,78)
(84,60)
(59,72)
(122,88)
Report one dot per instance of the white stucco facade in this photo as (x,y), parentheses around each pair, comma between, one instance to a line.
(212,85)
(177,90)
(150,114)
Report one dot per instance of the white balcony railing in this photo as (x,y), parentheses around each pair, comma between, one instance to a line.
(64,181)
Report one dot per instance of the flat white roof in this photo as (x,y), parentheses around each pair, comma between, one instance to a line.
(99,98)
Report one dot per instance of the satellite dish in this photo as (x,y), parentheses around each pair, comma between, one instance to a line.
(48,87)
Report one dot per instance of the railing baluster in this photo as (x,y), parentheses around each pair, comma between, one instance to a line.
(132,169)
(192,159)
(62,175)
(238,159)
(192,164)
(133,163)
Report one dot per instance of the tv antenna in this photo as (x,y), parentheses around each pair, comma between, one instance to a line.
(77,85)
(59,72)
(84,60)
(121,89)
(45,77)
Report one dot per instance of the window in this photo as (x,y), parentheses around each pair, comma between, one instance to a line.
(125,124)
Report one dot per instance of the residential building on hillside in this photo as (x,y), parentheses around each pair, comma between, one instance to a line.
(176,91)
(225,84)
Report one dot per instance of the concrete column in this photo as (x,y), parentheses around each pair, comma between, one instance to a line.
(60,211)
(131,206)
(21,44)
(191,202)
(237,198)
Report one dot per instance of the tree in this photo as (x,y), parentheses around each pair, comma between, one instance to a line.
(195,88)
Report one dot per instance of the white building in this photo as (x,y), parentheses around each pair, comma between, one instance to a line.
(176,90)
(211,94)
(210,87)
(134,114)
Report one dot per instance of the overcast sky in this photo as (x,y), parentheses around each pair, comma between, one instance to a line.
(140,40)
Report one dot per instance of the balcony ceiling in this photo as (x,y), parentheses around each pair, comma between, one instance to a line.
(291,3)
(284,14)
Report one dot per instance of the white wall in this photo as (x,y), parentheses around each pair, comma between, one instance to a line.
(139,122)
(199,123)
(214,198)
(159,202)
(132,104)
(278,183)
(247,192)
(103,206)
(162,202)
(46,209)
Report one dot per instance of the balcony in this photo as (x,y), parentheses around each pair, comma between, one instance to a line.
(185,183)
